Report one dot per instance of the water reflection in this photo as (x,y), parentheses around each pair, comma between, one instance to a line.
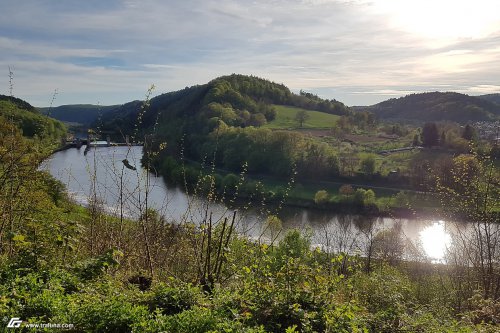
(435,241)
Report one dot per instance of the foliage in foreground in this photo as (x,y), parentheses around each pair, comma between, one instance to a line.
(287,287)
(60,263)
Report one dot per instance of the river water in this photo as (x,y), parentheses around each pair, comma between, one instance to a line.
(103,175)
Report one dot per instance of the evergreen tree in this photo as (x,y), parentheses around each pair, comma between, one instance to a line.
(469,133)
(430,135)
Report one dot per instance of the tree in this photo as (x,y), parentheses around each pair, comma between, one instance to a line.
(416,141)
(257,120)
(430,135)
(472,194)
(321,197)
(368,164)
(388,245)
(469,133)
(442,140)
(368,229)
(346,190)
(344,124)
(369,197)
(301,116)
(359,196)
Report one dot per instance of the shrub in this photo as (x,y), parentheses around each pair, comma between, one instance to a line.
(171,300)
(230,181)
(293,245)
(112,313)
(95,267)
(196,320)
(346,318)
(321,197)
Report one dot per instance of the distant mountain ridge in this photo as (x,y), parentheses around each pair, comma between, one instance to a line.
(248,93)
(84,114)
(494,98)
(436,106)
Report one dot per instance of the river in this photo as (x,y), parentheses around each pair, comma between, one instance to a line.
(102,175)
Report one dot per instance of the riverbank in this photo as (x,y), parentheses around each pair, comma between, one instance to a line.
(322,195)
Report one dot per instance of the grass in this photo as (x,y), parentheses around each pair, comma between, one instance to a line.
(285,119)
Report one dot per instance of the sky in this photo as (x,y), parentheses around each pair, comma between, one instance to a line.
(359,52)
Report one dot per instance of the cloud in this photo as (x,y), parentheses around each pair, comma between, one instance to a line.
(112,51)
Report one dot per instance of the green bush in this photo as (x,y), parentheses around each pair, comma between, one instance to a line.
(230,181)
(113,313)
(321,197)
(346,318)
(95,267)
(171,300)
(195,320)
(388,295)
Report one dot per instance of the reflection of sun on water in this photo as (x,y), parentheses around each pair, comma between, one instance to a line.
(435,240)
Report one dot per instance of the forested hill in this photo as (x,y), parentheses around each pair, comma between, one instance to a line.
(223,119)
(436,106)
(19,103)
(237,100)
(29,120)
(494,98)
(84,114)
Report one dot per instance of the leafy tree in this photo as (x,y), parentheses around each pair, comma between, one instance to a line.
(257,120)
(230,182)
(301,117)
(416,141)
(344,124)
(321,197)
(359,196)
(367,164)
(369,197)
(346,190)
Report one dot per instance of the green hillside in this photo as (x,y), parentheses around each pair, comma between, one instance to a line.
(237,100)
(436,106)
(230,119)
(285,118)
(19,103)
(78,113)
(29,120)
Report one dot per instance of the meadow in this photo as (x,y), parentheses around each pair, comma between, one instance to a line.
(285,119)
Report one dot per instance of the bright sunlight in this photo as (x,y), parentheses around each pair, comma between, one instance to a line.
(442,21)
(435,240)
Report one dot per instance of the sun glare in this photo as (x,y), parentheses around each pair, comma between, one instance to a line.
(435,240)
(442,21)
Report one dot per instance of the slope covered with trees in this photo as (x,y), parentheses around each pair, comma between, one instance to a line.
(28,120)
(238,100)
(494,98)
(436,106)
(221,120)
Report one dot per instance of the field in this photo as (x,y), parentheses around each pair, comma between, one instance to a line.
(285,119)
